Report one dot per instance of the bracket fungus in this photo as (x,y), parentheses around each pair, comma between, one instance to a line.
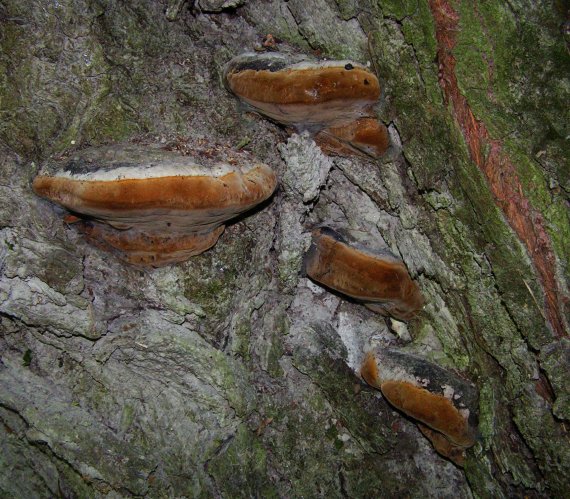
(376,278)
(307,94)
(440,400)
(363,136)
(152,206)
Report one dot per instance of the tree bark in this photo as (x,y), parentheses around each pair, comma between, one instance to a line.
(232,374)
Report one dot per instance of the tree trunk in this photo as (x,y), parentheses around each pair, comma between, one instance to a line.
(232,374)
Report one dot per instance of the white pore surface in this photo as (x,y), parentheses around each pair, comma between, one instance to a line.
(153,170)
(390,371)
(131,161)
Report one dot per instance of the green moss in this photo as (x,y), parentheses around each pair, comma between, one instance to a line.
(210,281)
(487,413)
(348,9)
(240,468)
(337,382)
(481,479)
(27,358)
(112,122)
(127,417)
(279,330)
(298,442)
(241,344)
(399,9)
(552,207)
(539,428)
(509,263)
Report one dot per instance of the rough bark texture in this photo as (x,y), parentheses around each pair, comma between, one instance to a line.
(232,375)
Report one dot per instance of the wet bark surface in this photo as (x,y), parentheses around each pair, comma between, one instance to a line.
(232,374)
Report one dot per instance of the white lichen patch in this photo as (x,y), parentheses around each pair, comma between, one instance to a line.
(465,413)
(352,340)
(307,167)
(448,392)
(359,336)
(39,305)
(391,372)
(401,329)
(294,243)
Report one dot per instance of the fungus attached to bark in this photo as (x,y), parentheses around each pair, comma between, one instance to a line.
(431,395)
(304,93)
(153,206)
(443,446)
(378,279)
(364,136)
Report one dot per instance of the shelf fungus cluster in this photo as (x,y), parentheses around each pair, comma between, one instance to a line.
(334,99)
(377,279)
(444,404)
(152,206)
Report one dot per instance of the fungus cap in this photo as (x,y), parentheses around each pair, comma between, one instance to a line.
(363,136)
(443,446)
(157,201)
(426,392)
(378,279)
(299,91)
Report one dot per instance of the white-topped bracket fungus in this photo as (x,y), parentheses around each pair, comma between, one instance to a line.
(152,206)
(437,398)
(300,92)
(376,278)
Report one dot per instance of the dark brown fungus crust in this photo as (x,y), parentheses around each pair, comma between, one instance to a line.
(365,136)
(424,391)
(301,92)
(151,206)
(378,279)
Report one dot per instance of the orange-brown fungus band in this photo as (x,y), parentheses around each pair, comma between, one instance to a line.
(433,410)
(443,446)
(365,136)
(305,86)
(174,192)
(379,280)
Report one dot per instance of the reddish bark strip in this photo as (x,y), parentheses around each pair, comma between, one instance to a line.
(488,155)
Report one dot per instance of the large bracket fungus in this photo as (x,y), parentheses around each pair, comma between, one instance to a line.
(378,279)
(443,402)
(153,206)
(313,95)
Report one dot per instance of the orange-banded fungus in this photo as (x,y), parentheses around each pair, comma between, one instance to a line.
(153,206)
(305,93)
(424,391)
(364,136)
(443,446)
(378,279)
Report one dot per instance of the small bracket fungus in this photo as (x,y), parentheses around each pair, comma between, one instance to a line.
(153,206)
(443,446)
(378,279)
(443,402)
(364,136)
